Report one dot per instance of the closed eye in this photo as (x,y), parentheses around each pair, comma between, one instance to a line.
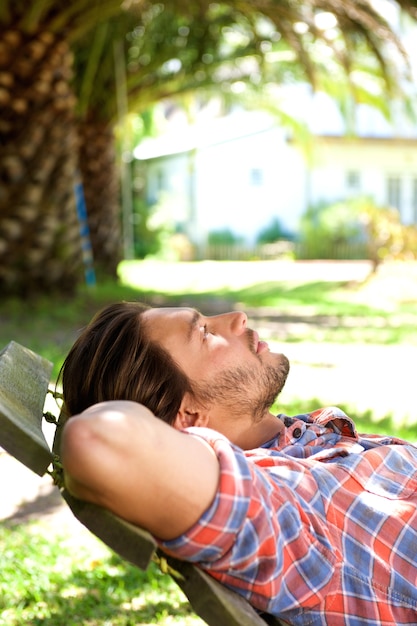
(206,331)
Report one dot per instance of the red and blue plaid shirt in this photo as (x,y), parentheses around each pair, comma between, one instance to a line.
(317,527)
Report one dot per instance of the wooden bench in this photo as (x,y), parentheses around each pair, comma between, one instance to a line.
(24,385)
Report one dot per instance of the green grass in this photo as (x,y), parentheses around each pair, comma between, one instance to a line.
(48,583)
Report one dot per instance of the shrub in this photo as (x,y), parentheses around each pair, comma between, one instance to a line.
(355,228)
(223,237)
(272,232)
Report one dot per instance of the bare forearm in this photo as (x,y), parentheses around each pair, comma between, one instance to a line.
(118,455)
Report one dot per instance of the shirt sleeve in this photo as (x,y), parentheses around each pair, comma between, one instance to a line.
(258,536)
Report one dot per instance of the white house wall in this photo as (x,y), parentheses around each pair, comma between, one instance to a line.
(167,185)
(239,185)
(244,182)
(375,162)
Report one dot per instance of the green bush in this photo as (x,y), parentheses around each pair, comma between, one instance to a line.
(272,232)
(387,237)
(327,230)
(149,232)
(223,237)
(355,228)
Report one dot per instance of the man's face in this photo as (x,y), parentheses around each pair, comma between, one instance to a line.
(235,372)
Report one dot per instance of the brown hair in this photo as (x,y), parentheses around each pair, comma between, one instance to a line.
(113,359)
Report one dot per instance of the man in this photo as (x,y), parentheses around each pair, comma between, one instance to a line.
(302,516)
(186,368)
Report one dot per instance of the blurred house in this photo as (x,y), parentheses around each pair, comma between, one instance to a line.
(243,170)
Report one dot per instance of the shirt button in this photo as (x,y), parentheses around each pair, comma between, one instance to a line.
(296,433)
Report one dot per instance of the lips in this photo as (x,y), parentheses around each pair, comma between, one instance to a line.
(260,346)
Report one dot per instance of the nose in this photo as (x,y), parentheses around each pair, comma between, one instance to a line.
(239,322)
(234,322)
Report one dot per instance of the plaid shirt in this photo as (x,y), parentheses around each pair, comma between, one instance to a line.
(317,527)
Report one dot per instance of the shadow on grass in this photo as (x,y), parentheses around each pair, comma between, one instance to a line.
(266,294)
(320,294)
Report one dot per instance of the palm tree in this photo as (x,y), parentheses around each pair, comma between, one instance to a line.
(183,45)
(40,243)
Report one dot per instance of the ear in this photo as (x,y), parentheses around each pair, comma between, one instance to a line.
(189,414)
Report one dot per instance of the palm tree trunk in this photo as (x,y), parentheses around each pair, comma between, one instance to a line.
(101,191)
(40,243)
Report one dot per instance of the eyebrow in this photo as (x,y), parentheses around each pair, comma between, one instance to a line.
(194,319)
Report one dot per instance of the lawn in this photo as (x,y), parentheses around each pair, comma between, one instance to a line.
(57,581)
(352,341)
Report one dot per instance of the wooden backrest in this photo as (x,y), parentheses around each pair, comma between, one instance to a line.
(24,380)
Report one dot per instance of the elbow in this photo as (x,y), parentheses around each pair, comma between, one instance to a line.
(93,447)
(77,448)
(88,436)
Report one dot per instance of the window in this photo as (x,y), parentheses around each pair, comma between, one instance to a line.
(353,180)
(394,192)
(256,177)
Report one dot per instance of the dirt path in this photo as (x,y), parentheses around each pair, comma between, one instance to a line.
(27,497)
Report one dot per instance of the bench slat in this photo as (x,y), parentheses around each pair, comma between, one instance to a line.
(215,604)
(24,380)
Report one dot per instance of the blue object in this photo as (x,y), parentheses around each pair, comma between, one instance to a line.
(90,275)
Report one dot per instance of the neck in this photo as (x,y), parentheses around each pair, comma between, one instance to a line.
(257,433)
